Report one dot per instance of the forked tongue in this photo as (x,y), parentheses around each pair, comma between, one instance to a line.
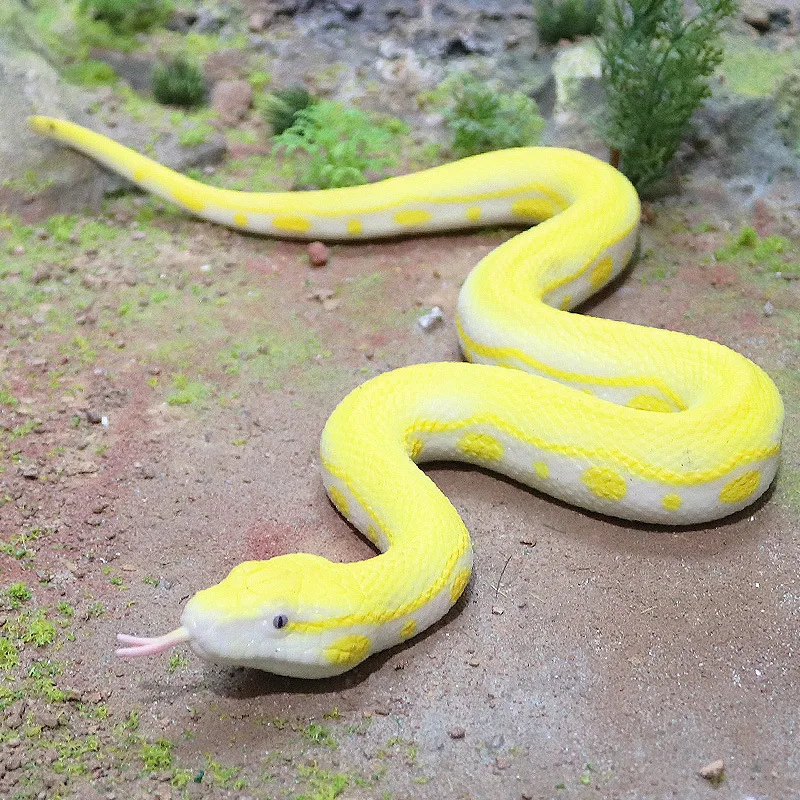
(150,645)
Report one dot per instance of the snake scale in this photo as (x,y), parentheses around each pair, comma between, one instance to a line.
(634,422)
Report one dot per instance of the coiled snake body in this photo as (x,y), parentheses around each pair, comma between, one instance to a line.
(633,422)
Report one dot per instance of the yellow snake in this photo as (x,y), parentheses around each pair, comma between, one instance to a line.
(629,421)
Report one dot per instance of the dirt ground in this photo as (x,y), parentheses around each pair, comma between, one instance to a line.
(164,387)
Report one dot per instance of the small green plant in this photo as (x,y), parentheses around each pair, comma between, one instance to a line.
(566,19)
(177,661)
(319,734)
(655,66)
(179,82)
(158,755)
(281,107)
(340,143)
(128,16)
(18,593)
(482,119)
(9,655)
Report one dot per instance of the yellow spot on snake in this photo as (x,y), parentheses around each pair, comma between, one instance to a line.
(188,199)
(339,500)
(647,402)
(348,650)
(354,227)
(415,448)
(605,483)
(372,534)
(481,445)
(289,222)
(740,488)
(532,209)
(541,469)
(602,271)
(459,584)
(409,629)
(140,174)
(240,219)
(473,213)
(566,302)
(414,217)
(672,502)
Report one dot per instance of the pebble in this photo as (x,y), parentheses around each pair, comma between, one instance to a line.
(456,732)
(93,417)
(431,319)
(318,254)
(498,610)
(769,309)
(715,771)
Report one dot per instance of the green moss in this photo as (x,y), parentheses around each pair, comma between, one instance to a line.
(9,654)
(319,734)
(18,593)
(195,136)
(754,70)
(89,73)
(186,391)
(266,355)
(769,253)
(322,785)
(157,755)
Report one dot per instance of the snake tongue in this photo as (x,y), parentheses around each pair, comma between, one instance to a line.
(150,645)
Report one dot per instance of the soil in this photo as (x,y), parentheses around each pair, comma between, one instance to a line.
(164,384)
(588,656)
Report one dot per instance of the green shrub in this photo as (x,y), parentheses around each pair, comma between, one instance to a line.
(179,82)
(567,19)
(482,119)
(340,143)
(128,16)
(281,107)
(656,66)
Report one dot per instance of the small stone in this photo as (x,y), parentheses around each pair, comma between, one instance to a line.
(93,417)
(232,100)
(258,22)
(42,274)
(318,254)
(456,732)
(19,250)
(431,319)
(474,662)
(30,471)
(46,718)
(498,610)
(714,772)
(138,235)
(381,711)
(769,309)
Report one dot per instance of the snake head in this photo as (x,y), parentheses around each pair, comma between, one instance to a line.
(289,615)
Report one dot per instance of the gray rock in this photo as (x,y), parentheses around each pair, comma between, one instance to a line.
(735,137)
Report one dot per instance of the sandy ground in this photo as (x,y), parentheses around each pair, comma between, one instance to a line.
(588,658)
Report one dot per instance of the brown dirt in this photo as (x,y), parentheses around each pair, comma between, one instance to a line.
(588,658)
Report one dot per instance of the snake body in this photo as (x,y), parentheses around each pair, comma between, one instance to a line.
(634,422)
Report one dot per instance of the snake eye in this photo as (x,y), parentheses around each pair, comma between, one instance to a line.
(280,621)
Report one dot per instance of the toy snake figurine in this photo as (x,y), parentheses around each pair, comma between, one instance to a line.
(634,422)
